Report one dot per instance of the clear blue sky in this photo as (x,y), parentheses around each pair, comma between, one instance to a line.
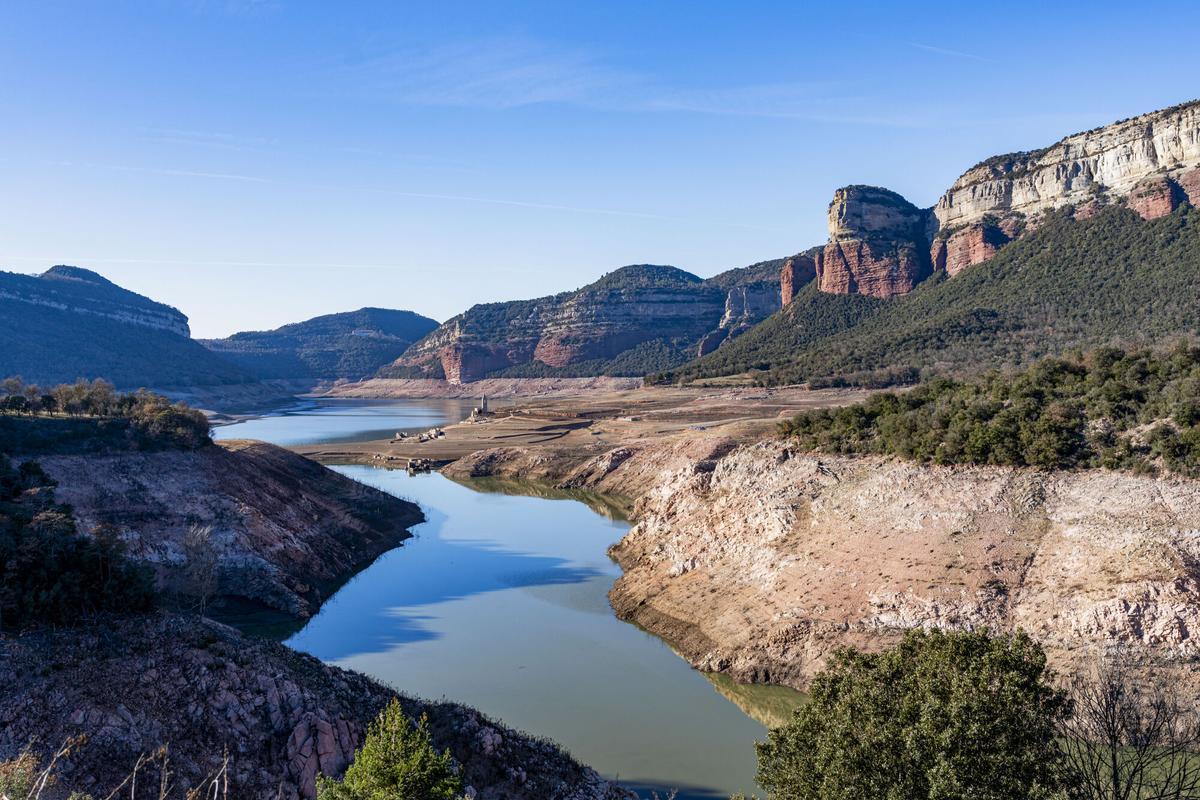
(255,163)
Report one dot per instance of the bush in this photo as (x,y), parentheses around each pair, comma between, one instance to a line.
(1135,410)
(90,416)
(942,715)
(398,762)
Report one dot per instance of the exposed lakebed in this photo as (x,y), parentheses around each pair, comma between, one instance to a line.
(500,602)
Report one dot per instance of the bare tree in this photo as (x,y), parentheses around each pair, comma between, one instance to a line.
(1129,739)
(201,565)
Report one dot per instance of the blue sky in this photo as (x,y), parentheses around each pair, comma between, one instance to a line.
(256,163)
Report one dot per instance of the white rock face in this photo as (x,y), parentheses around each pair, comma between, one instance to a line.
(1107,161)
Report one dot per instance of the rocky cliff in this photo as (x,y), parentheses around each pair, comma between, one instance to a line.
(757,561)
(878,241)
(132,685)
(635,320)
(283,531)
(878,244)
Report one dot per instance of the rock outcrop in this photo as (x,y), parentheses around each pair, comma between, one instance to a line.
(878,244)
(284,531)
(635,320)
(797,272)
(762,563)
(877,239)
(757,561)
(134,684)
(1110,161)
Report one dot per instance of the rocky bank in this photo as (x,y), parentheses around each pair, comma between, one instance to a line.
(284,531)
(757,561)
(134,684)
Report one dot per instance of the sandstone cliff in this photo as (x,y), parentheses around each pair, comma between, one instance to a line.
(877,244)
(284,530)
(635,320)
(878,241)
(134,684)
(757,561)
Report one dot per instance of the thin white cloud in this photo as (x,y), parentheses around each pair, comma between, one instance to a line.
(495,73)
(209,139)
(945,51)
(515,72)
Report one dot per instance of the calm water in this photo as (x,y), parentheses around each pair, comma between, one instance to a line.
(500,602)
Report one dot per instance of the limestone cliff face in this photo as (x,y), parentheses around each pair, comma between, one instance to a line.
(758,561)
(763,561)
(632,321)
(878,241)
(285,530)
(1112,160)
(878,244)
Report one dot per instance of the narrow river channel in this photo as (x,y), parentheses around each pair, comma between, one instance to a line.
(500,602)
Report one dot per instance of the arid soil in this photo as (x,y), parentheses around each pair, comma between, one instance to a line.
(377,388)
(284,531)
(134,684)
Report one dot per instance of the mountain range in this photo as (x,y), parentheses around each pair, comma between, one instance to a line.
(1091,240)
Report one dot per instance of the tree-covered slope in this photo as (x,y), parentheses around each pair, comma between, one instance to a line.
(350,345)
(1113,278)
(70,323)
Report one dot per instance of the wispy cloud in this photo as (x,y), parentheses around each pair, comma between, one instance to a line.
(178,173)
(945,51)
(209,139)
(816,101)
(514,72)
(498,73)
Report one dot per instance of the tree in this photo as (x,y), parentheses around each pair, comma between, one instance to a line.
(944,716)
(1130,741)
(201,567)
(396,762)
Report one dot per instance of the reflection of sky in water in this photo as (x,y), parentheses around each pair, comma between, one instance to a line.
(327,421)
(501,602)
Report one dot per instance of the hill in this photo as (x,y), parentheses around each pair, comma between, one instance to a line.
(635,320)
(1025,255)
(1072,283)
(349,345)
(70,323)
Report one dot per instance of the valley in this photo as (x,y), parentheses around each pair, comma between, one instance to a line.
(606,540)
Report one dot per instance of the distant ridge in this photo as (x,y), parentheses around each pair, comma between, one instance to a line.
(633,320)
(70,323)
(345,346)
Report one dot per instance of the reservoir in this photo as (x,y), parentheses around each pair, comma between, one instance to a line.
(500,602)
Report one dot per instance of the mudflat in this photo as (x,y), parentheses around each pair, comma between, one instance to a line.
(577,425)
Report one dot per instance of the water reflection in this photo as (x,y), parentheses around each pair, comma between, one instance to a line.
(381,608)
(328,421)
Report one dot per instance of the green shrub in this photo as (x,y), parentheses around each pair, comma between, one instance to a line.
(396,762)
(952,716)
(1135,410)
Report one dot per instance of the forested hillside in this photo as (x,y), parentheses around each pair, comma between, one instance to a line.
(350,345)
(1073,283)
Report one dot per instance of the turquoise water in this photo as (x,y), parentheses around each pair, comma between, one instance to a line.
(500,602)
